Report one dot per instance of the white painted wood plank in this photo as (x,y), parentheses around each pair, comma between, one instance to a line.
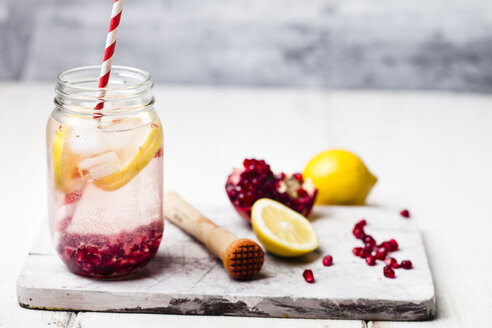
(185,278)
(127,320)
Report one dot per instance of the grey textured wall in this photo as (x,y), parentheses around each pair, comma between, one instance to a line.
(398,44)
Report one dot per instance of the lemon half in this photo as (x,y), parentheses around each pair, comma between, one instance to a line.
(282,231)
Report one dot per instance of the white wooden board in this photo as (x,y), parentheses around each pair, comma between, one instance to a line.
(184,278)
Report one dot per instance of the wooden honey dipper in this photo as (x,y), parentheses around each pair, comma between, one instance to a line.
(242,258)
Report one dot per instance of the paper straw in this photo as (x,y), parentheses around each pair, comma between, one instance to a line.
(108,54)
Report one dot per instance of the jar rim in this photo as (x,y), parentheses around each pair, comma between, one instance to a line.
(146,79)
(128,90)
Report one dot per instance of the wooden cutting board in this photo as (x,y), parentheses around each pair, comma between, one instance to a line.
(184,278)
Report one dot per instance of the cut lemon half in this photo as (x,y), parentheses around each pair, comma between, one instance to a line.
(147,151)
(281,230)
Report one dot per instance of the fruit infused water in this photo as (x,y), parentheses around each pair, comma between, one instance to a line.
(105,173)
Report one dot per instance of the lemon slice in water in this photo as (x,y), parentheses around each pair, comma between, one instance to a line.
(64,161)
(281,230)
(147,151)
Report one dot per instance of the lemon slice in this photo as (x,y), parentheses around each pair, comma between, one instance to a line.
(146,152)
(64,161)
(281,230)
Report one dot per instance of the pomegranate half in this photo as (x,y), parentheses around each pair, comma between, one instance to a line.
(256,180)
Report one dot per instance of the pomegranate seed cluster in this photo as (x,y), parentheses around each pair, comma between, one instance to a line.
(372,252)
(256,180)
(103,256)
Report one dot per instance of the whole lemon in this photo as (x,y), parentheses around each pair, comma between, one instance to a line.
(340,177)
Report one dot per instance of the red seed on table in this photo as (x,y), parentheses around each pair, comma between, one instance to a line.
(359,233)
(369,240)
(371,260)
(394,245)
(308,276)
(391,262)
(405,213)
(381,253)
(361,224)
(406,264)
(328,260)
(390,246)
(388,272)
(363,253)
(356,250)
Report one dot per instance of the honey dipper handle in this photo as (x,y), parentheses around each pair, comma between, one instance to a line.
(185,216)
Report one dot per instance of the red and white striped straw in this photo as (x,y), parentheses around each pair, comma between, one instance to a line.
(108,53)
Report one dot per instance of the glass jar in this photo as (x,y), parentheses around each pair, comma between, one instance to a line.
(105,172)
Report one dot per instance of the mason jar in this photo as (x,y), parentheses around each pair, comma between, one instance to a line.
(105,172)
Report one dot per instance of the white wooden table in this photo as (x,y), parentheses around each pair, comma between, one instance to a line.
(432,154)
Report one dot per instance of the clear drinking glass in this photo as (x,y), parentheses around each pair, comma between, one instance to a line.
(105,172)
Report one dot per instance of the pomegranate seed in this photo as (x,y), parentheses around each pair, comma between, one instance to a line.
(159,153)
(369,247)
(405,213)
(356,251)
(387,245)
(406,264)
(391,262)
(371,260)
(71,198)
(328,260)
(308,276)
(381,254)
(388,272)
(369,240)
(358,233)
(297,176)
(394,245)
(361,224)
(363,253)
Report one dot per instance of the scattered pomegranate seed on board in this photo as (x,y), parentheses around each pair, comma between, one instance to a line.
(308,276)
(372,252)
(371,260)
(381,254)
(361,224)
(406,264)
(389,272)
(328,260)
(363,253)
(391,262)
(394,245)
(357,250)
(405,213)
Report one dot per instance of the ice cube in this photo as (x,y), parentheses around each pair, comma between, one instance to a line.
(122,135)
(99,166)
(85,138)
